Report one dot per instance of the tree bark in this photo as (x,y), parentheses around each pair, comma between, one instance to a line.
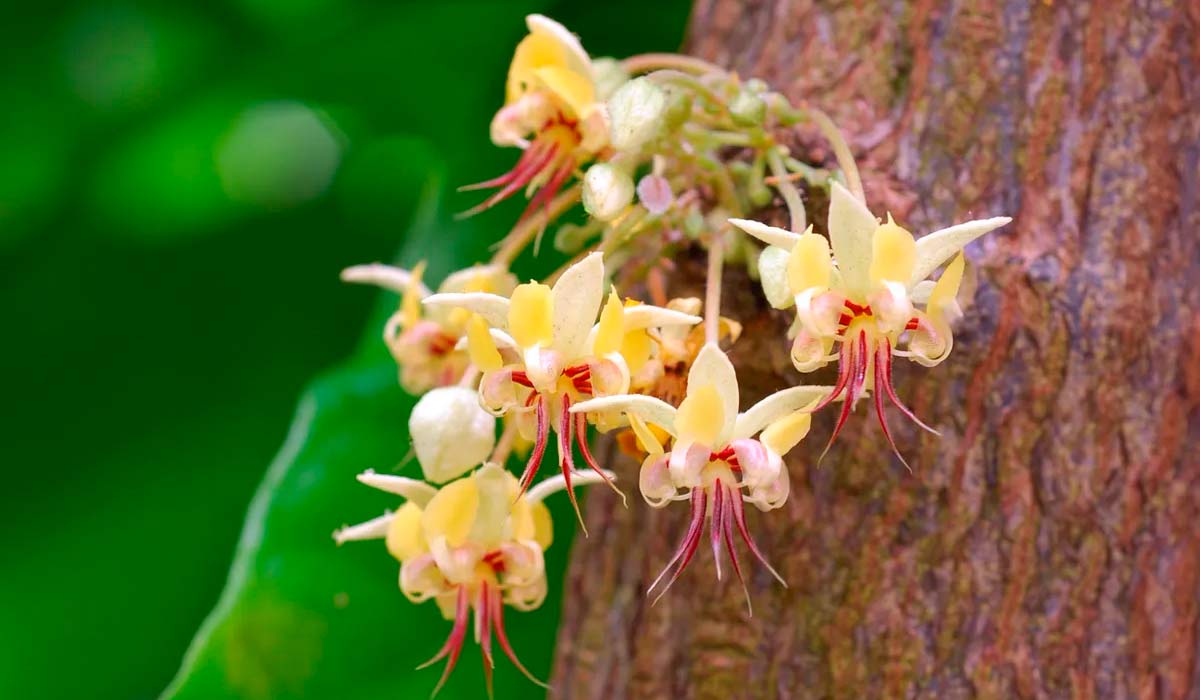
(1048,543)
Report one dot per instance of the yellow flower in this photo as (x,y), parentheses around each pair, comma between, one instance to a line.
(544,349)
(424,344)
(552,109)
(474,545)
(858,289)
(714,460)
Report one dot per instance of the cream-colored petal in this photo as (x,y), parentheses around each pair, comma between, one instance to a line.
(414,490)
(494,505)
(492,307)
(941,245)
(648,408)
(576,58)
(920,291)
(610,329)
(771,235)
(782,435)
(577,297)
(450,514)
(393,279)
(373,529)
(543,368)
(573,90)
(776,406)
(686,463)
(759,465)
(641,316)
(405,540)
(773,274)
(654,481)
(893,253)
(494,279)
(539,491)
(851,227)
(712,366)
(945,290)
(809,263)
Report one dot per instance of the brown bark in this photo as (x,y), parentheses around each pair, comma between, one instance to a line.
(1048,544)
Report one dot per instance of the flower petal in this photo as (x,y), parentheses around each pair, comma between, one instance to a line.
(531,315)
(941,245)
(893,253)
(773,275)
(492,307)
(494,279)
(577,296)
(776,406)
(945,290)
(373,529)
(404,536)
(393,279)
(760,467)
(610,330)
(809,264)
(686,462)
(640,316)
(787,432)
(712,366)
(539,491)
(414,490)
(481,346)
(701,416)
(450,514)
(851,226)
(574,57)
(654,481)
(649,408)
(771,235)
(574,90)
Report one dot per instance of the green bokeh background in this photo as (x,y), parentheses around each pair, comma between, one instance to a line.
(182,182)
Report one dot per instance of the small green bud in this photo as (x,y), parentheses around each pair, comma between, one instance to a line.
(609,76)
(607,190)
(636,112)
(748,109)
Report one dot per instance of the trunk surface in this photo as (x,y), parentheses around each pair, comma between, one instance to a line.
(1048,544)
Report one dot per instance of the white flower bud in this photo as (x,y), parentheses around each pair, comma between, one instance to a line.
(636,111)
(609,75)
(748,109)
(607,190)
(451,433)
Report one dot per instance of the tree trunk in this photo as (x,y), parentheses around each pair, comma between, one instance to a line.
(1048,544)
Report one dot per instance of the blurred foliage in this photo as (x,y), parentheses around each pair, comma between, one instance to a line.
(183,181)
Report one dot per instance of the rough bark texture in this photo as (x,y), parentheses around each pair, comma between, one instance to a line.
(1048,544)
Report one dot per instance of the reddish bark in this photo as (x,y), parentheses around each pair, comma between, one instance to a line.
(1048,543)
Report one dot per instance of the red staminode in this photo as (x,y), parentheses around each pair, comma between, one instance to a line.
(545,165)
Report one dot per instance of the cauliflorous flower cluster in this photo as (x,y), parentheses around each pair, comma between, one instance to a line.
(679,155)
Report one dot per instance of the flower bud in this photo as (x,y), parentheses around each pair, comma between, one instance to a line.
(451,433)
(607,190)
(654,192)
(748,109)
(609,76)
(636,111)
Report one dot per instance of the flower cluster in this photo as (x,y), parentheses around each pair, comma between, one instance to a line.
(679,156)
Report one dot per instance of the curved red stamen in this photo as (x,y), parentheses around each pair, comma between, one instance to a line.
(687,547)
(739,519)
(566,458)
(547,191)
(714,527)
(532,163)
(891,391)
(845,360)
(497,619)
(882,356)
(858,360)
(483,618)
(453,646)
(726,527)
(539,447)
(581,440)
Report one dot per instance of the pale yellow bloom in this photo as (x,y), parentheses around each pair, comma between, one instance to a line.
(860,289)
(544,349)
(422,342)
(714,460)
(476,544)
(553,109)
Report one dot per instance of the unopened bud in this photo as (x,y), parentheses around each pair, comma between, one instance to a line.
(654,192)
(609,75)
(748,109)
(607,190)
(636,111)
(451,433)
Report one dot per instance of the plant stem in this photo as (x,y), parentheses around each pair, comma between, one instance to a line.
(712,288)
(646,62)
(841,150)
(791,195)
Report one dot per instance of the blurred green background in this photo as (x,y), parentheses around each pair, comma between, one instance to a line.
(182,182)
